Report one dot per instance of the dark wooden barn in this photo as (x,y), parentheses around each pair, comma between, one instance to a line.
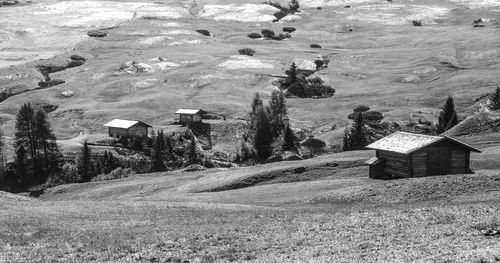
(189,116)
(125,128)
(404,154)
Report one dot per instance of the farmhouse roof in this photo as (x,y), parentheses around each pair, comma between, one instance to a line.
(124,124)
(188,111)
(406,143)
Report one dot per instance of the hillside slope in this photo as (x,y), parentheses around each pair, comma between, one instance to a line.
(376,57)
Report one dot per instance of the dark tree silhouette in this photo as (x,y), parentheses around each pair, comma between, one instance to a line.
(158,152)
(355,137)
(263,137)
(495,99)
(447,117)
(289,139)
(278,112)
(85,163)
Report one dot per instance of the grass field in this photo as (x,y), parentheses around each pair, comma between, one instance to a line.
(328,213)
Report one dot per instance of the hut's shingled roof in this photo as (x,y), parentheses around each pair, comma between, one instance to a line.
(124,124)
(188,111)
(405,143)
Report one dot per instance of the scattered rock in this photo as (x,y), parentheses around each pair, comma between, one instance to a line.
(194,168)
(65,94)
(133,67)
(96,33)
(315,46)
(203,32)
(77,57)
(321,63)
(50,83)
(361,108)
(299,170)
(50,68)
(417,22)
(267,33)
(289,29)
(254,35)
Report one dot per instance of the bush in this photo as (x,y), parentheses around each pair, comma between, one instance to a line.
(36,191)
(254,35)
(361,108)
(115,174)
(246,51)
(267,33)
(289,29)
(417,22)
(315,46)
(203,32)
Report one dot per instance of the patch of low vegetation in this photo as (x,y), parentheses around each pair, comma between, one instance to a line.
(296,84)
(246,51)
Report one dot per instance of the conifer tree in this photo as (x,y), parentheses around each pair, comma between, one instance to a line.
(84,163)
(294,6)
(289,140)
(20,163)
(495,100)
(193,157)
(355,137)
(293,73)
(33,133)
(263,137)
(277,112)
(158,153)
(447,117)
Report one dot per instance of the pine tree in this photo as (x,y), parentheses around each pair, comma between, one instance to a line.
(355,137)
(256,105)
(20,163)
(84,163)
(158,152)
(193,157)
(278,112)
(293,73)
(289,140)
(495,100)
(263,137)
(33,133)
(447,117)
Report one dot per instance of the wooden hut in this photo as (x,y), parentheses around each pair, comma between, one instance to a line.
(125,128)
(404,154)
(188,116)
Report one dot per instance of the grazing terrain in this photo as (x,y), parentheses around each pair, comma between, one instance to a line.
(152,60)
(88,62)
(317,210)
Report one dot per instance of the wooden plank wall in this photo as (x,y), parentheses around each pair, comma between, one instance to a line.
(459,161)
(419,161)
(396,165)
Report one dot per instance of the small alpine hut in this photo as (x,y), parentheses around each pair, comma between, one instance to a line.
(125,128)
(404,154)
(188,116)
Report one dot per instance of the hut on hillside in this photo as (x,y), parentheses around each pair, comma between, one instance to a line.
(126,128)
(188,116)
(404,154)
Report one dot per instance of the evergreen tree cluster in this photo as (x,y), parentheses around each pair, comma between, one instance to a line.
(37,154)
(355,136)
(268,129)
(296,84)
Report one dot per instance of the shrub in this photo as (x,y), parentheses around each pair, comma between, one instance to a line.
(203,32)
(361,108)
(267,33)
(115,174)
(254,35)
(315,146)
(246,51)
(289,29)
(417,22)
(315,46)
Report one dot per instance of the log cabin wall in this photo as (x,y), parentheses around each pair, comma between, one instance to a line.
(396,164)
(419,164)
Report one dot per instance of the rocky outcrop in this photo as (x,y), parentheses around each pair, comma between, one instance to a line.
(96,33)
(203,32)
